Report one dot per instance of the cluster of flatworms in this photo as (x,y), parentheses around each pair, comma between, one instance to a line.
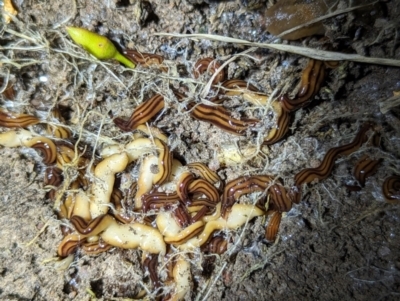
(171,205)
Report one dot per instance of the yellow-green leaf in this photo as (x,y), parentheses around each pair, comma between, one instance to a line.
(99,46)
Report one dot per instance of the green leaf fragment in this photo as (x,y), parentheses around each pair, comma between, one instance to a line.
(97,45)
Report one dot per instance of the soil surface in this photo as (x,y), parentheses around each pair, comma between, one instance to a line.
(337,244)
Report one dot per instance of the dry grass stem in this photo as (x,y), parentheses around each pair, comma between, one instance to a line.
(317,54)
(390,103)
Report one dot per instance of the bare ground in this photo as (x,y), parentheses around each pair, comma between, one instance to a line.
(334,245)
